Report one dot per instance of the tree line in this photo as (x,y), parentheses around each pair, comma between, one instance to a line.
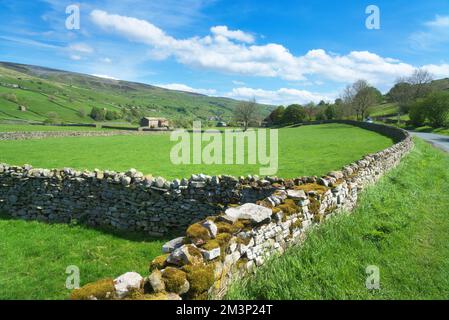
(414,95)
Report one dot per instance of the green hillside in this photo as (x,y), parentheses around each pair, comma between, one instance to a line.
(390,109)
(69,97)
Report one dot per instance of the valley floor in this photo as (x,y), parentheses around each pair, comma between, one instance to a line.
(401,226)
(307,150)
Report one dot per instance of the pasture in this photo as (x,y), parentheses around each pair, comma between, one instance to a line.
(307,150)
(34,257)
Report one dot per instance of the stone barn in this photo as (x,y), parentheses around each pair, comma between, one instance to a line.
(150,122)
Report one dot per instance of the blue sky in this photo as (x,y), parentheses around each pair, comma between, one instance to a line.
(279,52)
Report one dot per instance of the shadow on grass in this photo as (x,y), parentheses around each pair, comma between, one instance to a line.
(136,236)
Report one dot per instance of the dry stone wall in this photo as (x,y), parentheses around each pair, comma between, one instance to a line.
(131,201)
(22,135)
(222,248)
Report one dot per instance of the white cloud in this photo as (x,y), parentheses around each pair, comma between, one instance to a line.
(283,96)
(232,34)
(439,22)
(228,51)
(75,57)
(106,60)
(438,71)
(436,34)
(80,47)
(186,88)
(105,76)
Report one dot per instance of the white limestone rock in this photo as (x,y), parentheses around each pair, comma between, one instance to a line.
(296,194)
(248,211)
(127,282)
(171,245)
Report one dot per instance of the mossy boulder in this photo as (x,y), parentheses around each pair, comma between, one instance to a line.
(175,280)
(198,234)
(159,262)
(201,279)
(99,290)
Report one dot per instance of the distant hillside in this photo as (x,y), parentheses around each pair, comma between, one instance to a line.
(390,109)
(33,93)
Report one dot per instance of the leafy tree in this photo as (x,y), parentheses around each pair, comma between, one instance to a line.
(98,114)
(310,109)
(276,115)
(294,113)
(320,115)
(330,112)
(402,93)
(112,115)
(437,109)
(417,113)
(246,112)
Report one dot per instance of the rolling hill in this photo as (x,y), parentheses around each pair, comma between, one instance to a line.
(35,94)
(390,109)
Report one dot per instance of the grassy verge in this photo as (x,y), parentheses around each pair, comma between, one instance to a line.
(308,150)
(444,131)
(401,225)
(34,257)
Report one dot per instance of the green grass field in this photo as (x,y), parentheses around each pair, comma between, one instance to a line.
(307,150)
(34,257)
(401,225)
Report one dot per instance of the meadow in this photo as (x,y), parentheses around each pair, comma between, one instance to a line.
(34,257)
(400,226)
(307,150)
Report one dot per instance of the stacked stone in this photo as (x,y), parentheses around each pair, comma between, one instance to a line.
(25,135)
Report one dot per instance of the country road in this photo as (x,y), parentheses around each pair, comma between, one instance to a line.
(438,140)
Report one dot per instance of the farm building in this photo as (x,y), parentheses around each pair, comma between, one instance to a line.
(149,122)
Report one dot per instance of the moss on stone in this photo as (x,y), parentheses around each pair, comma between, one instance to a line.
(318,218)
(210,245)
(289,207)
(296,225)
(314,206)
(201,278)
(312,187)
(225,227)
(276,210)
(197,232)
(151,296)
(174,279)
(243,241)
(101,289)
(159,262)
(241,263)
(223,238)
(194,251)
